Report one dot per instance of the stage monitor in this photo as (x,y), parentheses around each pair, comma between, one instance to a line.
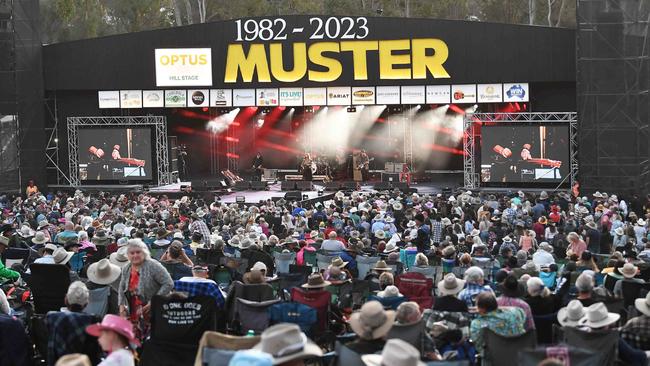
(527,153)
(114,153)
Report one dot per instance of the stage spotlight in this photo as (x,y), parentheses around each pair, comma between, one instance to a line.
(320,192)
(266,110)
(240,199)
(56,140)
(352,109)
(309,110)
(305,197)
(260,123)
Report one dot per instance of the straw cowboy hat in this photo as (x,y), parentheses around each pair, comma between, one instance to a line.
(597,316)
(285,342)
(448,251)
(316,281)
(372,321)
(42,224)
(397,206)
(116,324)
(74,359)
(119,258)
(61,256)
(598,195)
(26,231)
(390,247)
(629,270)
(592,225)
(450,285)
(619,231)
(103,272)
(39,238)
(380,234)
(389,291)
(570,315)
(643,304)
(396,352)
(338,262)
(382,266)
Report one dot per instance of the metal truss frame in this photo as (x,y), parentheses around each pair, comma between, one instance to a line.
(158,122)
(472,175)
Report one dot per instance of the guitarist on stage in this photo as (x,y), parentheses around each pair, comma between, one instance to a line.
(258,162)
(364,165)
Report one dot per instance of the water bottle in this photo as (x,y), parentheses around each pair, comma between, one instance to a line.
(250,333)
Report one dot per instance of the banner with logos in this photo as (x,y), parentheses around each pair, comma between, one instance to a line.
(515,92)
(338,95)
(130,99)
(291,97)
(153,98)
(243,97)
(465,93)
(183,66)
(315,96)
(109,99)
(175,98)
(489,93)
(413,94)
(267,97)
(388,95)
(362,95)
(221,98)
(198,98)
(438,94)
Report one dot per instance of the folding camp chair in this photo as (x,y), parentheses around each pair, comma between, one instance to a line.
(296,313)
(287,281)
(324,260)
(574,356)
(253,315)
(251,292)
(544,327)
(310,258)
(609,283)
(500,350)
(416,287)
(283,260)
(60,342)
(365,264)
(346,356)
(389,303)
(319,300)
(98,301)
(216,349)
(11,256)
(603,342)
(632,291)
(49,284)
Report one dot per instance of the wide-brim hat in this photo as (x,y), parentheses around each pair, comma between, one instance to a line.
(396,352)
(116,324)
(39,238)
(597,316)
(389,291)
(619,231)
(61,256)
(450,285)
(381,266)
(570,315)
(507,239)
(338,262)
(285,342)
(316,281)
(592,225)
(103,272)
(380,234)
(391,247)
(119,258)
(640,222)
(397,206)
(643,304)
(448,251)
(411,224)
(42,224)
(629,270)
(372,321)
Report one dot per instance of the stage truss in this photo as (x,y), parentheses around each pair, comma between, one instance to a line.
(472,177)
(158,122)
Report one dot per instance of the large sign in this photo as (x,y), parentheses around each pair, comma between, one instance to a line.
(183,66)
(220,98)
(388,95)
(515,92)
(339,95)
(291,97)
(108,99)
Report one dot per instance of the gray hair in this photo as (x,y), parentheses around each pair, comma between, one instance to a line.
(421,260)
(584,283)
(535,287)
(139,244)
(474,274)
(82,235)
(77,294)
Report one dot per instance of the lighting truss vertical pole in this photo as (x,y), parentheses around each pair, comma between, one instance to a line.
(73,153)
(469,168)
(573,136)
(407,124)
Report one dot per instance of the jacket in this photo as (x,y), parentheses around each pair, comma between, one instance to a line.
(154,280)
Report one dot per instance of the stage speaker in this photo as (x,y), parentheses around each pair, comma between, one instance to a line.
(332,186)
(293,196)
(304,185)
(288,185)
(389,177)
(349,185)
(242,185)
(402,186)
(383,186)
(258,186)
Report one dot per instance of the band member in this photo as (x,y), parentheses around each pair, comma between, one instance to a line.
(32,189)
(364,165)
(525,152)
(258,162)
(116,152)
(182,163)
(305,166)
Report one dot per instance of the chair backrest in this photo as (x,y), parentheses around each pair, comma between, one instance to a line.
(544,327)
(346,356)
(603,342)
(306,270)
(389,303)
(242,263)
(15,255)
(609,283)
(221,275)
(283,260)
(182,321)
(296,313)
(60,342)
(310,258)
(574,356)
(98,301)
(365,264)
(414,285)
(254,315)
(324,260)
(256,292)
(448,265)
(631,291)
(49,284)
(498,350)
(287,281)
(319,300)
(428,271)
(411,333)
(397,267)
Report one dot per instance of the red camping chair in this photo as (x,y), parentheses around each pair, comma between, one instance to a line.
(416,287)
(319,300)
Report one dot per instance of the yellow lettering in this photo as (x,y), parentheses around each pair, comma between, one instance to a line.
(237,61)
(359,52)
(203,59)
(299,62)
(333,66)
(387,60)
(433,63)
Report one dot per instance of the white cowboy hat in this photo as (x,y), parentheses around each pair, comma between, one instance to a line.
(119,258)
(285,342)
(643,304)
(396,352)
(597,316)
(619,231)
(372,321)
(598,195)
(640,222)
(592,225)
(507,239)
(61,256)
(397,206)
(629,270)
(390,247)
(380,234)
(412,223)
(389,291)
(570,315)
(103,272)
(39,238)
(26,231)
(450,285)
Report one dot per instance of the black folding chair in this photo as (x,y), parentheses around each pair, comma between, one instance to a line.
(49,284)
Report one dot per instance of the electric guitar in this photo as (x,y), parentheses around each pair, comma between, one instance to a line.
(365,163)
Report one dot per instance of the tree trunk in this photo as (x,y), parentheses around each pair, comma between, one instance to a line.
(532,11)
(189,15)
(550,13)
(177,13)
(559,15)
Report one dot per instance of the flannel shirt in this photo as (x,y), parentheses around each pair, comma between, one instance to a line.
(469,293)
(517,302)
(507,321)
(200,226)
(67,333)
(201,289)
(637,332)
(436,231)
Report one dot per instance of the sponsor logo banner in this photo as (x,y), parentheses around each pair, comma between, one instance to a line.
(516,92)
(489,93)
(438,94)
(338,95)
(153,98)
(363,95)
(175,98)
(387,95)
(108,99)
(267,97)
(198,98)
(291,97)
(183,66)
(315,96)
(243,97)
(413,94)
(221,97)
(465,93)
(130,99)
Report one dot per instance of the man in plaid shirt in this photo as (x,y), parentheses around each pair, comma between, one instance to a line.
(637,330)
(200,285)
(436,229)
(475,285)
(198,225)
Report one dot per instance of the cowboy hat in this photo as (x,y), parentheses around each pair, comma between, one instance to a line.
(103,272)
(390,247)
(389,291)
(643,304)
(285,342)
(542,220)
(316,281)
(39,238)
(73,359)
(50,246)
(372,321)
(640,222)
(592,225)
(61,256)
(382,266)
(119,258)
(598,195)
(380,234)
(619,231)
(507,239)
(450,285)
(397,206)
(448,251)
(338,262)
(543,195)
(629,270)
(597,316)
(570,315)
(42,224)
(26,231)
(411,224)
(116,324)
(396,352)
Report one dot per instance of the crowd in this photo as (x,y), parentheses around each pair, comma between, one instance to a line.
(364,278)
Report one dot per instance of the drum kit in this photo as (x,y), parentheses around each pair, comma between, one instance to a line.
(320,166)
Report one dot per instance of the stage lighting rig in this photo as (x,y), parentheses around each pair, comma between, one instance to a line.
(352,109)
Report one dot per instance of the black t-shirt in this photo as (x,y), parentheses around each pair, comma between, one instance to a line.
(182,320)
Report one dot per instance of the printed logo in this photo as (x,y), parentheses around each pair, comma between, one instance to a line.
(516,91)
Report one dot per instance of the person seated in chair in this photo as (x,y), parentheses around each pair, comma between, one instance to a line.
(506,321)
(199,284)
(408,314)
(6,273)
(448,290)
(371,324)
(629,271)
(104,273)
(176,261)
